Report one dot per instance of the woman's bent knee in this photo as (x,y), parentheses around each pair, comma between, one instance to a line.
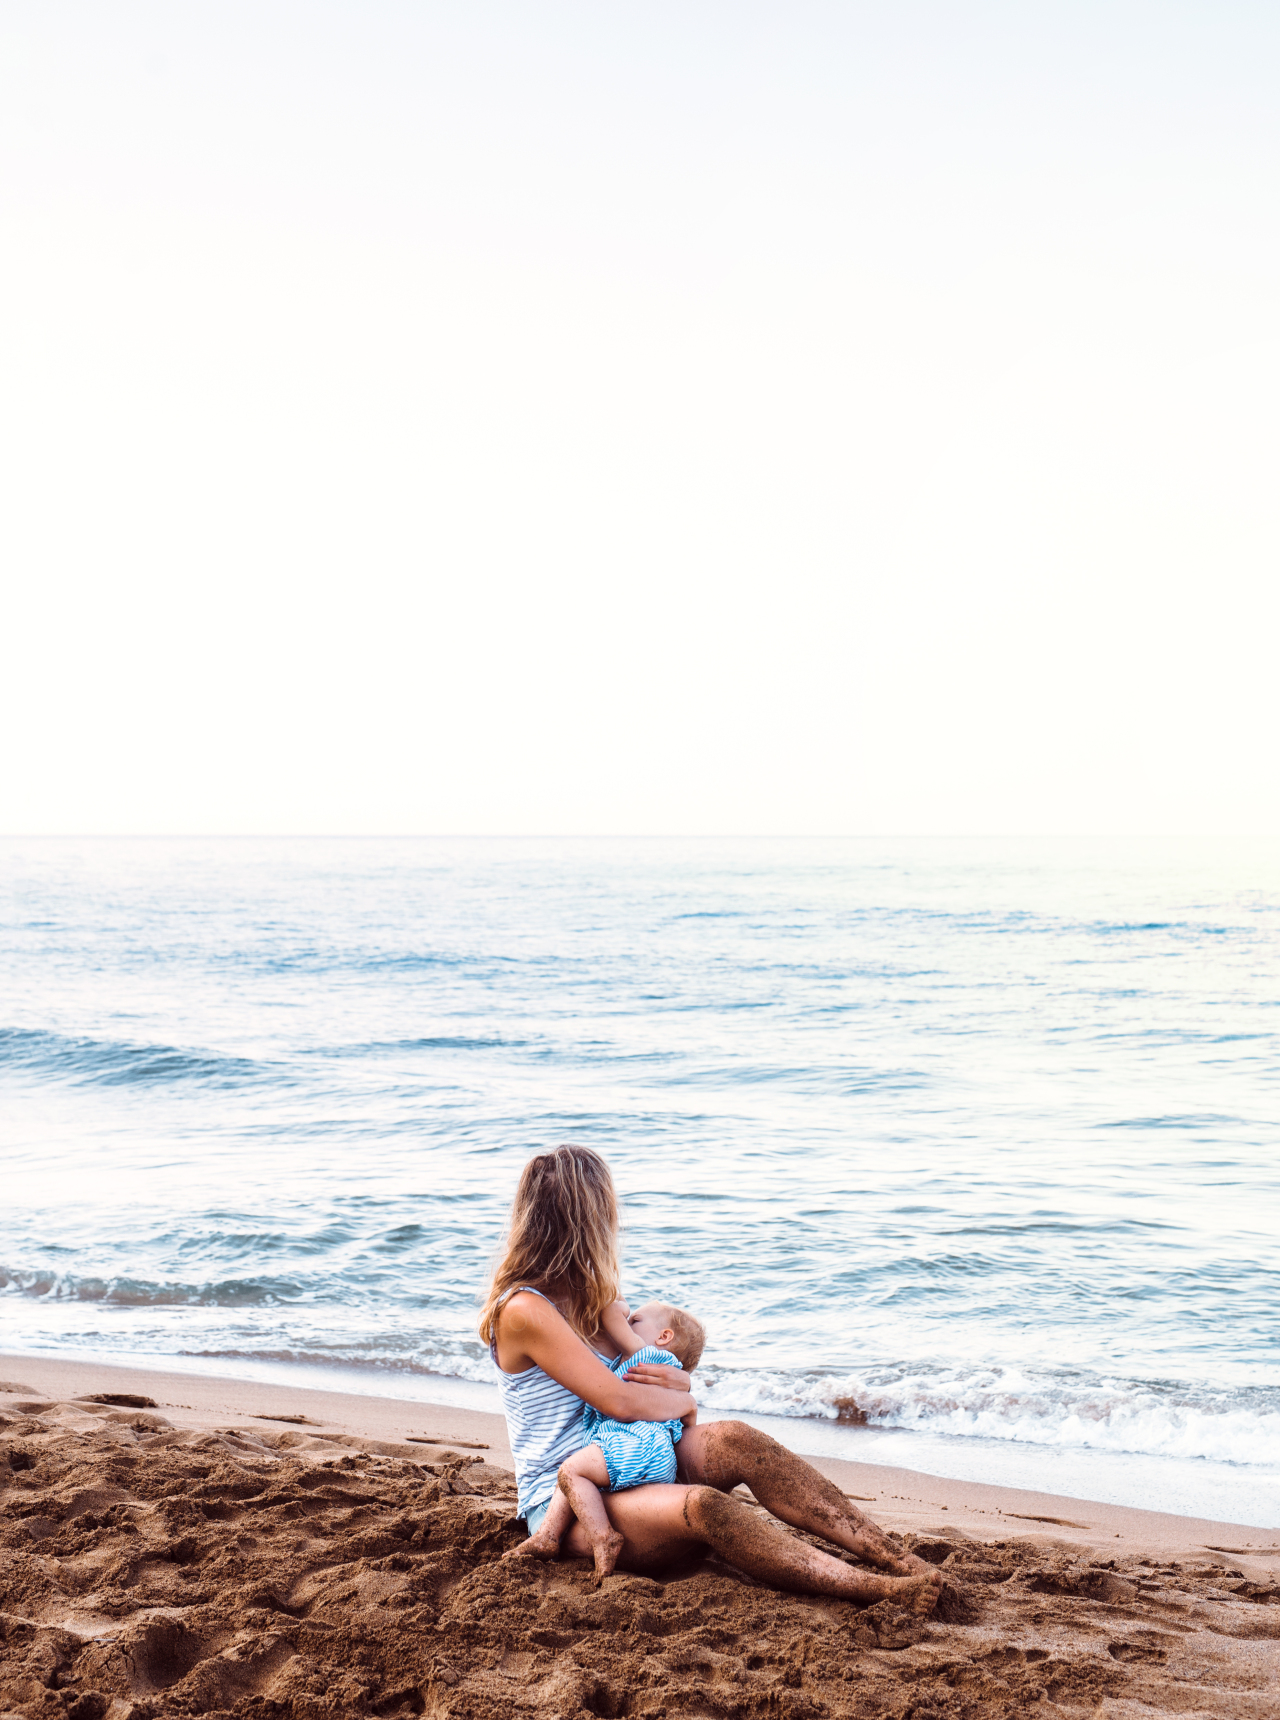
(743,1440)
(700,1507)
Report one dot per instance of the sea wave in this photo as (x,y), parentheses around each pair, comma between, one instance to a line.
(1149,1418)
(459,1361)
(119,1063)
(1238,1426)
(124,1291)
(434,1042)
(1119,1416)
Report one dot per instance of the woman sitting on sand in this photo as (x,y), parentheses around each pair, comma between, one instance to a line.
(542,1321)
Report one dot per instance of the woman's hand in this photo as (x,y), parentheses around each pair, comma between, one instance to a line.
(658,1374)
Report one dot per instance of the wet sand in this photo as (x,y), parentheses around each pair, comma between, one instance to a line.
(251,1550)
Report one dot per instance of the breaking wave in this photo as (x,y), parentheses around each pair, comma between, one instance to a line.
(126,1292)
(1155,1419)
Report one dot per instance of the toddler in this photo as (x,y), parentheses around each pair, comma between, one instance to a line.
(621,1454)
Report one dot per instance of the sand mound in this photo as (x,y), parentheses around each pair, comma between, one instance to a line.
(149,1572)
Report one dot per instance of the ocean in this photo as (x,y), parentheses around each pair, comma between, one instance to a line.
(965,1151)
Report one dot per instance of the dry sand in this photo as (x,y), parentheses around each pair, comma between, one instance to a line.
(252,1550)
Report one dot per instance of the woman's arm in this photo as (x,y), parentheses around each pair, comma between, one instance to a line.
(531,1329)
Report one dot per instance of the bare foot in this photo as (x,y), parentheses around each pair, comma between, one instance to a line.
(920,1592)
(901,1564)
(536,1547)
(606,1551)
(876,1549)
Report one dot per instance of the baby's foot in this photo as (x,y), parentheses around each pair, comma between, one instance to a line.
(539,1546)
(606,1551)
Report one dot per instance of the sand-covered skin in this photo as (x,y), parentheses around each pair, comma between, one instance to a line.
(148,1570)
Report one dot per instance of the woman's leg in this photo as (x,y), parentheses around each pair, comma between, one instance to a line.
(661,1523)
(722,1454)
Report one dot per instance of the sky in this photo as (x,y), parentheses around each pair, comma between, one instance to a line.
(569,416)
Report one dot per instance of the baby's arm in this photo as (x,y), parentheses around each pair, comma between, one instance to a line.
(615,1322)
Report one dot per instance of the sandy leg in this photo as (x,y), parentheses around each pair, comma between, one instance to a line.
(750,1541)
(723,1454)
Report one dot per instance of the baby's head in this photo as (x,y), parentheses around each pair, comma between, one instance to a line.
(669,1328)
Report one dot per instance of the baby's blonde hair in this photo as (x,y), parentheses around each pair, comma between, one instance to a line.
(690,1335)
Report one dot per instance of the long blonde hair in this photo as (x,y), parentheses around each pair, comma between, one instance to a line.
(563,1235)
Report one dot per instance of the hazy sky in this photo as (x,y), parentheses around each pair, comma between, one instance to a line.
(650,416)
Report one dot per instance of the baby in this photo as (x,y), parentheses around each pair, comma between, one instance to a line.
(621,1454)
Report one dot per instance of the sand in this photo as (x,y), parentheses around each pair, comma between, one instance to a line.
(251,1550)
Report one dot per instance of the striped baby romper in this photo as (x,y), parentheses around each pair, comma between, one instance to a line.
(634,1451)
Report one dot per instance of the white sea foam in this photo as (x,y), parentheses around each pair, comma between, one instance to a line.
(1101,1414)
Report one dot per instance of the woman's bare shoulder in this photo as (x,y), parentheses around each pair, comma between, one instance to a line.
(524,1315)
(527,1323)
(525,1308)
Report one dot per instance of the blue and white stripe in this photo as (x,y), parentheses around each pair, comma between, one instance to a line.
(544,1426)
(634,1451)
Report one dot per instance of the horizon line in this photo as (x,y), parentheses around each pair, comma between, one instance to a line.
(620,835)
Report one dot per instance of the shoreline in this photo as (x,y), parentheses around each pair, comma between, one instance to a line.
(1209,1489)
(902,1499)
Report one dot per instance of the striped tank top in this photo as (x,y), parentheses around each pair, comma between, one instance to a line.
(544,1425)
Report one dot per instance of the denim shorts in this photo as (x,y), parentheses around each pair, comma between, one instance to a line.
(534,1515)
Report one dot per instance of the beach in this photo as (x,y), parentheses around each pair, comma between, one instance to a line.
(955,1148)
(176,1544)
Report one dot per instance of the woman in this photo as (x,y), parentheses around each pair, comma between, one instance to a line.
(542,1324)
